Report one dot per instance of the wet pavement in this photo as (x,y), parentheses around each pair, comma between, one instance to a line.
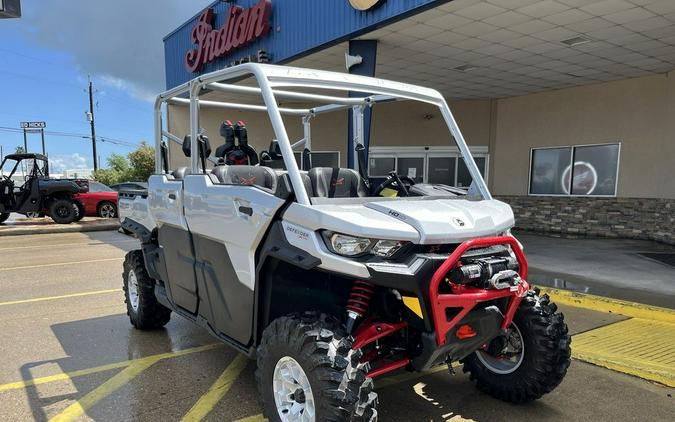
(616,268)
(62,312)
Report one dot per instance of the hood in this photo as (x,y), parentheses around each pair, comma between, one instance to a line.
(449,220)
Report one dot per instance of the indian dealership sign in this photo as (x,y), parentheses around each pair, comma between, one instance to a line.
(241,27)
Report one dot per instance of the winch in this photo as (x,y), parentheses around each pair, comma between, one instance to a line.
(498,272)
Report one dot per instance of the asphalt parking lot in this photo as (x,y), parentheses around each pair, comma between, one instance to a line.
(69,353)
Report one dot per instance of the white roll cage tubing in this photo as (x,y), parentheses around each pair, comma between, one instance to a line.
(269,79)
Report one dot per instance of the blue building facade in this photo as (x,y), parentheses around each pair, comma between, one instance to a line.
(298,28)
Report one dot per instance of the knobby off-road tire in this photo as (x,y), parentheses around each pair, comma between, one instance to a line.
(79,209)
(546,354)
(62,211)
(145,312)
(3,217)
(340,389)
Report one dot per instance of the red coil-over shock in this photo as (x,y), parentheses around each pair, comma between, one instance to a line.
(359,299)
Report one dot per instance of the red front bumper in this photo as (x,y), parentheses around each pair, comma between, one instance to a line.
(466,298)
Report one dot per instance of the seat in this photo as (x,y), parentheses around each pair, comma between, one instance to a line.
(261,177)
(329,182)
(179,173)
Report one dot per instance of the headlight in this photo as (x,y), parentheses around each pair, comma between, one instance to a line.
(387,248)
(346,245)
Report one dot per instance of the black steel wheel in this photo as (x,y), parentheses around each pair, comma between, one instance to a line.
(62,211)
(107,209)
(145,312)
(307,371)
(530,359)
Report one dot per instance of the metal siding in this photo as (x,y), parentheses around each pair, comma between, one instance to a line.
(299,27)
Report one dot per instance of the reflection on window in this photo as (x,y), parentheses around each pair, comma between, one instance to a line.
(593,173)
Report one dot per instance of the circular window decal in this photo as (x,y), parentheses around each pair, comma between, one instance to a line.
(585,179)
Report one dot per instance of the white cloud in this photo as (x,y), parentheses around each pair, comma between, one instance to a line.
(117,41)
(59,163)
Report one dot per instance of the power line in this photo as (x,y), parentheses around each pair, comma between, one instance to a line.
(75,135)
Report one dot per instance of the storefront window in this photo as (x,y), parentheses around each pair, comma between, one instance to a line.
(413,167)
(325,159)
(464,177)
(381,166)
(442,170)
(432,167)
(593,173)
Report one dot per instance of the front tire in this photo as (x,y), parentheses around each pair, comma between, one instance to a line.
(145,312)
(62,211)
(307,371)
(531,360)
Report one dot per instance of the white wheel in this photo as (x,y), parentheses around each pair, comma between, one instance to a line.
(292,392)
(133,290)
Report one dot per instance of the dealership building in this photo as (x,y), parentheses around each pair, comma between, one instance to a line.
(568,106)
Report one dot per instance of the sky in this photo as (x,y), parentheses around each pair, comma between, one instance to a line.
(47,56)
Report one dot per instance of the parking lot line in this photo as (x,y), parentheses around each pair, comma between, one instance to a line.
(88,371)
(80,406)
(217,390)
(41,299)
(26,267)
(605,304)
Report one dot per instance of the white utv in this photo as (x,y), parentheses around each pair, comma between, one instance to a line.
(328,280)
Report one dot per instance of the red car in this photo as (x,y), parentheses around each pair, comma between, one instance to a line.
(100,201)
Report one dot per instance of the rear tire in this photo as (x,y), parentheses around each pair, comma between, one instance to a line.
(79,208)
(106,210)
(3,217)
(327,382)
(62,211)
(545,355)
(145,312)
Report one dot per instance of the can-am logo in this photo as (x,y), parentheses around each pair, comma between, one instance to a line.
(241,27)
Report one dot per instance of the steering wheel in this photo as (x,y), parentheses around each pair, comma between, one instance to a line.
(396,182)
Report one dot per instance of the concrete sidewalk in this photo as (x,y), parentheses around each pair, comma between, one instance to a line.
(613,268)
(19,225)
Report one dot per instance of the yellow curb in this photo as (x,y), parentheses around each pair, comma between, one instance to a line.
(615,306)
(639,347)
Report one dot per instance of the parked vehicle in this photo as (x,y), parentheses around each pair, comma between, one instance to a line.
(329,281)
(100,201)
(129,186)
(38,193)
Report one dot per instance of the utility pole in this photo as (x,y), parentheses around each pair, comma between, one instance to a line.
(90,117)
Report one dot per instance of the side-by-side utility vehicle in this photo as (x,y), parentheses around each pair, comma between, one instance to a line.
(38,193)
(331,278)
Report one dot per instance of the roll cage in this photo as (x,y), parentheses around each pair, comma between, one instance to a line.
(271,81)
(36,170)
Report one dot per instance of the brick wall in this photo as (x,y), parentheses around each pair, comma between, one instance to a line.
(634,218)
